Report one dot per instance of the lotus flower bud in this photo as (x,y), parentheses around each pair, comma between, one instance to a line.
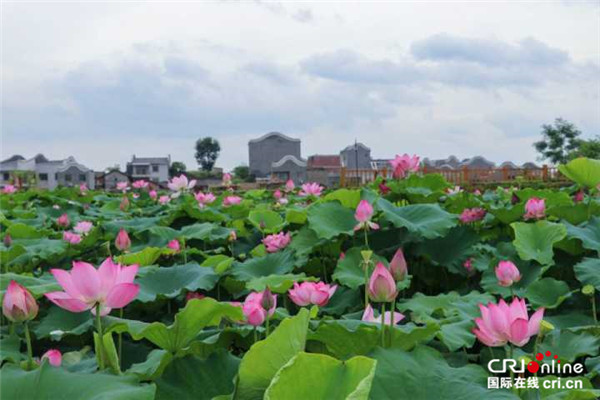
(18,304)
(382,287)
(398,266)
(54,357)
(63,221)
(507,273)
(7,240)
(122,242)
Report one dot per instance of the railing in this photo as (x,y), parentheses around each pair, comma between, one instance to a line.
(464,175)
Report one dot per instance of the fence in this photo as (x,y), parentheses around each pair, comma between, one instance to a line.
(464,175)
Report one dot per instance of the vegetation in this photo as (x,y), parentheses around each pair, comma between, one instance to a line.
(207,152)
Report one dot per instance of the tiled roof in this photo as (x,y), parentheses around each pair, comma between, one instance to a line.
(324,161)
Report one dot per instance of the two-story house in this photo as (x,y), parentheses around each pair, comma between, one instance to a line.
(154,169)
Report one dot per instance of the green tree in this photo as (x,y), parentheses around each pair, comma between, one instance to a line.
(177,168)
(587,148)
(242,172)
(558,141)
(207,152)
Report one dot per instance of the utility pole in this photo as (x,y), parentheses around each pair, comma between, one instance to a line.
(356,159)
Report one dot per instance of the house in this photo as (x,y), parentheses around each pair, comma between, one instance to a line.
(356,156)
(154,169)
(323,169)
(110,179)
(43,173)
(276,156)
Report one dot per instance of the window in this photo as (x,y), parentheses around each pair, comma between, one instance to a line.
(6,176)
(141,170)
(43,177)
(68,177)
(82,178)
(56,176)
(155,168)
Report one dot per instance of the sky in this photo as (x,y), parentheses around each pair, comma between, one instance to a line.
(102,81)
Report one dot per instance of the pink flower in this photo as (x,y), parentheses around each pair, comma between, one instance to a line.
(194,295)
(342,256)
(382,287)
(83,188)
(53,356)
(454,190)
(276,242)
(472,215)
(153,194)
(277,194)
(135,196)
(307,293)
(164,199)
(180,184)
(363,214)
(404,164)
(232,236)
(63,221)
(9,189)
(311,189)
(477,192)
(289,186)
(204,199)
(535,208)
(579,196)
(258,306)
(383,188)
(71,238)
(468,264)
(226,179)
(124,203)
(122,242)
(110,286)
(174,245)
(18,304)
(500,324)
(122,186)
(369,316)
(231,200)
(83,227)
(398,267)
(140,184)
(283,201)
(7,240)
(507,273)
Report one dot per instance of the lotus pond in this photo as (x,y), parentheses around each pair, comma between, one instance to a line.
(405,289)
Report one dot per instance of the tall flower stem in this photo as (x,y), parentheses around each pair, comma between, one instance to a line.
(255,335)
(184,252)
(29,350)
(366,239)
(366,265)
(594,312)
(100,336)
(120,338)
(382,316)
(267,327)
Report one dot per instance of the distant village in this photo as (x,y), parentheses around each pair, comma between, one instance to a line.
(273,157)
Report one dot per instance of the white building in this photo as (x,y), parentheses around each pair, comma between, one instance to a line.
(154,169)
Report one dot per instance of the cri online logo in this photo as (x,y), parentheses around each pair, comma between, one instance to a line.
(554,367)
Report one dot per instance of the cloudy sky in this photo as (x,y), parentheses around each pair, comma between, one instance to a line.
(103,81)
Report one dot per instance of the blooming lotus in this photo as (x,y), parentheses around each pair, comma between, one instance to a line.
(258,306)
(83,227)
(306,293)
(63,221)
(231,200)
(507,273)
(9,189)
(180,184)
(122,242)
(502,323)
(277,194)
(311,189)
(472,215)
(398,266)
(382,287)
(53,356)
(153,194)
(289,186)
(140,184)
(174,245)
(85,287)
(83,188)
(369,316)
(454,190)
(276,242)
(535,208)
(363,214)
(122,186)
(71,238)
(164,199)
(204,199)
(226,179)
(18,304)
(404,164)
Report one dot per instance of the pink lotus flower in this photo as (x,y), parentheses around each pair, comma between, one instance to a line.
(311,189)
(18,304)
(135,196)
(53,356)
(174,245)
(500,324)
(180,184)
(306,293)
(398,266)
(194,295)
(122,242)
(83,227)
(122,186)
(342,256)
(579,196)
(276,242)
(472,215)
(7,240)
(164,199)
(71,238)
(535,208)
(383,188)
(507,273)
(477,192)
(468,264)
(63,221)
(289,186)
(382,287)
(110,286)
(231,200)
(124,203)
(204,199)
(226,179)
(404,164)
(369,316)
(9,189)
(83,188)
(283,201)
(363,214)
(258,306)
(153,194)
(140,184)
(454,190)
(277,194)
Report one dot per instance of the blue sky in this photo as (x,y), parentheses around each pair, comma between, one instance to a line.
(103,81)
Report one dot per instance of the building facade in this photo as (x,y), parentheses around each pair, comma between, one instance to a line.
(356,156)
(276,156)
(154,169)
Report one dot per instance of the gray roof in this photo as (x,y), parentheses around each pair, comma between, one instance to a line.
(351,147)
(289,157)
(271,134)
(149,160)
(16,157)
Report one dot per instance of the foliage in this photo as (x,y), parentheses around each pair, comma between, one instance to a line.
(177,168)
(207,152)
(558,141)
